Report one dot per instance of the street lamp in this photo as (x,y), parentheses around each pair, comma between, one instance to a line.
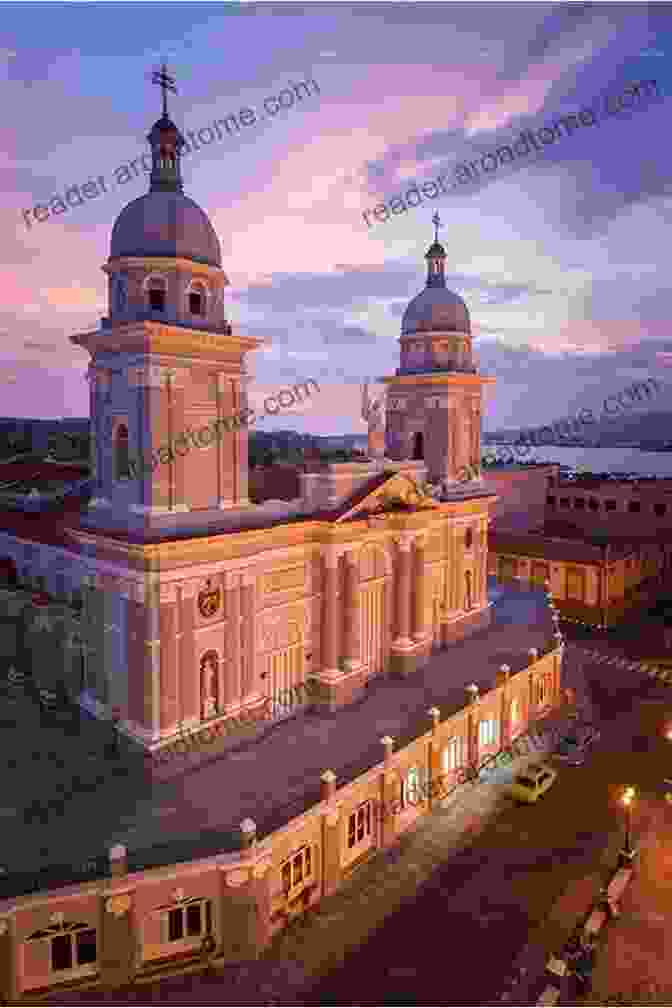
(627,854)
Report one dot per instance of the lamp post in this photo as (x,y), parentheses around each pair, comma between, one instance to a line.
(627,854)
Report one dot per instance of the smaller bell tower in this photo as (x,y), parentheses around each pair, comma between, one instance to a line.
(434,401)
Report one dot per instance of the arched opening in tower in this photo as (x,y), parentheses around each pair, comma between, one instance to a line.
(418,446)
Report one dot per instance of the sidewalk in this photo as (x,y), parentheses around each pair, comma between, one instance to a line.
(635,956)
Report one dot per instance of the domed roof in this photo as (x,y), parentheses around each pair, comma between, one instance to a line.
(436,308)
(166,223)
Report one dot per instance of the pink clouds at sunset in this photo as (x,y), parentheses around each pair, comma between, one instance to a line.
(541,255)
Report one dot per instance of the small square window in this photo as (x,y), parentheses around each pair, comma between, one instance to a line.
(659,508)
(610,505)
(634,506)
(564,502)
(551,502)
(579,503)
(594,504)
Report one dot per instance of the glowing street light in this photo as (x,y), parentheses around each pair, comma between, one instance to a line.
(628,798)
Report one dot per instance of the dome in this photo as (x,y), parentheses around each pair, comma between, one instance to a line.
(165,223)
(434,309)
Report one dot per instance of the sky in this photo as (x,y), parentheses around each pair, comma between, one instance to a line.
(562,257)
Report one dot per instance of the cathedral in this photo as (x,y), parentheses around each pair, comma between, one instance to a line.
(199,607)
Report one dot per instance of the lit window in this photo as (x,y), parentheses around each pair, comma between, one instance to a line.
(296,871)
(487,732)
(452,754)
(514,716)
(359,825)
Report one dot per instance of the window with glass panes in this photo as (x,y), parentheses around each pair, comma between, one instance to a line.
(70,945)
(359,825)
(189,921)
(487,732)
(297,869)
(452,754)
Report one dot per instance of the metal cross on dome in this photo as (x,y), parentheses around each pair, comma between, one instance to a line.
(436,221)
(166,83)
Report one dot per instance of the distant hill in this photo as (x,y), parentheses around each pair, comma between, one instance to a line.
(653,426)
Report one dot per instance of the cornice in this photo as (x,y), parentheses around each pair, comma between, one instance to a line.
(159,337)
(163,263)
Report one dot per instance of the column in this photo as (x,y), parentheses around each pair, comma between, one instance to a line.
(248,683)
(351,627)
(330,624)
(420,589)
(403,595)
(232,683)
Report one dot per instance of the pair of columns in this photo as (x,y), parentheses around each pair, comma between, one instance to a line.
(410,595)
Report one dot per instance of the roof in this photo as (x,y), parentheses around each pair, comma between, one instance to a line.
(436,309)
(165,224)
(537,544)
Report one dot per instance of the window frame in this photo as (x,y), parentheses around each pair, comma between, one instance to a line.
(70,932)
(359,826)
(492,735)
(307,876)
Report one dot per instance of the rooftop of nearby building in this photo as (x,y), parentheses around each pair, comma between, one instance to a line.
(82,803)
(562,541)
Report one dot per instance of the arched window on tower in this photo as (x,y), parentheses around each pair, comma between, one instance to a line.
(156,293)
(197,299)
(121,466)
(418,447)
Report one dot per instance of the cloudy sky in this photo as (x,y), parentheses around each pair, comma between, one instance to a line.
(562,256)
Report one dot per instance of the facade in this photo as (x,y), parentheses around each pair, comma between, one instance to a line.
(598,584)
(622,508)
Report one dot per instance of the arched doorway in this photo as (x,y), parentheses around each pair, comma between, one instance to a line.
(209,685)
(418,446)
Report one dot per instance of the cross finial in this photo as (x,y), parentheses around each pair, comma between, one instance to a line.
(436,221)
(166,83)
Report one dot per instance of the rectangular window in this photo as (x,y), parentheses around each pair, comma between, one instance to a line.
(634,506)
(359,825)
(452,755)
(594,504)
(659,508)
(175,925)
(610,505)
(61,952)
(551,502)
(87,951)
(487,732)
(564,502)
(296,871)
(194,920)
(579,503)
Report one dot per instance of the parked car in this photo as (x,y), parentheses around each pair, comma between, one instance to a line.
(533,782)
